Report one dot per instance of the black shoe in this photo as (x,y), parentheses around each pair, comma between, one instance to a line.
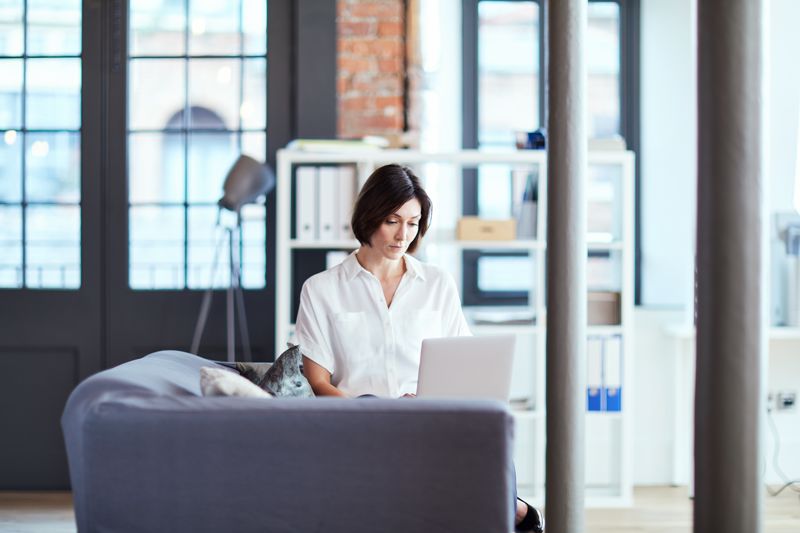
(533,521)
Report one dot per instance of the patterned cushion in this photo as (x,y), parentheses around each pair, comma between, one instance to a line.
(285,377)
(219,382)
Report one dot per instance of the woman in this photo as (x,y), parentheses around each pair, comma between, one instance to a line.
(360,324)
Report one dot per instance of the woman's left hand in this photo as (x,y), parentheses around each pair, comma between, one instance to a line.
(408,395)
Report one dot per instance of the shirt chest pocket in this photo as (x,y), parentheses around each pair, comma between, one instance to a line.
(350,336)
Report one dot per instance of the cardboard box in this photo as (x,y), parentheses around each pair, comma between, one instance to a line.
(603,308)
(481,229)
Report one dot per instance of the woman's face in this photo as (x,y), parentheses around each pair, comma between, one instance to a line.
(392,237)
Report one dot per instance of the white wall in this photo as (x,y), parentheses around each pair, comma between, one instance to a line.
(668,151)
(668,157)
(782,100)
(653,405)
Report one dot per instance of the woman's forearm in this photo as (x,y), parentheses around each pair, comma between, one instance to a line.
(326,389)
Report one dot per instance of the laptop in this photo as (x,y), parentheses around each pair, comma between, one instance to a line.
(466,367)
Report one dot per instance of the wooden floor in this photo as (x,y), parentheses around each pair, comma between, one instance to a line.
(656,510)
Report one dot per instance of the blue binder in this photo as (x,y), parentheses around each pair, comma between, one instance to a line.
(612,374)
(594,374)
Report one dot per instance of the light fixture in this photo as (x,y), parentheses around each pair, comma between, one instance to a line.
(247,182)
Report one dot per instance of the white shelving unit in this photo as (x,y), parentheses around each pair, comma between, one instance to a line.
(609,434)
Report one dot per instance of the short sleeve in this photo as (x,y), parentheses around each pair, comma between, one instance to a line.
(455,324)
(311,330)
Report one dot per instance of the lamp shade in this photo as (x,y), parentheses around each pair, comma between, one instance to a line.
(246,181)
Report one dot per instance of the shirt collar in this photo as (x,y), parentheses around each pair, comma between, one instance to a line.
(353,268)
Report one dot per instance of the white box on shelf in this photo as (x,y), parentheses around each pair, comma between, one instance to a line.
(347,196)
(306,203)
(328,203)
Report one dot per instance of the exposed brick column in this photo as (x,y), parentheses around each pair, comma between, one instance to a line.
(371,67)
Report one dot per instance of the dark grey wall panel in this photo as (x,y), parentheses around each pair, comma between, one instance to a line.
(315,68)
(32,398)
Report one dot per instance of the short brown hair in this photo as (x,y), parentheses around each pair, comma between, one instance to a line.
(386,190)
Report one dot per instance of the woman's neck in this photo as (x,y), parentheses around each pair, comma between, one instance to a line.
(378,265)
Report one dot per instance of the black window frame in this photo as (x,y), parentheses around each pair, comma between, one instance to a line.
(629,129)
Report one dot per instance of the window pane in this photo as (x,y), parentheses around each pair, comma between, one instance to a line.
(604,214)
(53,94)
(156,247)
(211,155)
(254,22)
(254,252)
(512,273)
(204,239)
(53,239)
(53,172)
(54,27)
(255,145)
(197,95)
(156,93)
(157,28)
(10,93)
(156,167)
(494,191)
(214,84)
(603,65)
(10,247)
(508,71)
(253,110)
(214,27)
(11,166)
(10,28)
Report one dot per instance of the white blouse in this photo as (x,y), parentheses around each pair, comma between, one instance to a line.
(344,325)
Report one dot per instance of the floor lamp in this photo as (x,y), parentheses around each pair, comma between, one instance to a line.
(247,180)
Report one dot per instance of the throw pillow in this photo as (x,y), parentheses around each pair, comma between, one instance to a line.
(252,371)
(219,382)
(285,377)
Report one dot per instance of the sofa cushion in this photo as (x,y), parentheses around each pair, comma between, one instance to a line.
(285,377)
(219,382)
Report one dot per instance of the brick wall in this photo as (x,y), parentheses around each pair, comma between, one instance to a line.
(371,67)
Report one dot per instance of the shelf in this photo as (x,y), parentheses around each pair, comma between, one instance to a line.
(505,329)
(604,330)
(525,329)
(461,157)
(613,245)
(379,157)
(526,414)
(322,245)
(784,333)
(535,414)
(605,415)
(684,332)
(526,244)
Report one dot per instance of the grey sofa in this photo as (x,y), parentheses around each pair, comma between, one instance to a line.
(148,453)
